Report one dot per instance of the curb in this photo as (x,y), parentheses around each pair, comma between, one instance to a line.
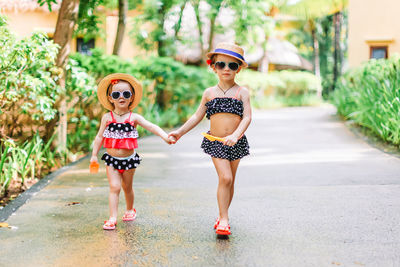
(14,205)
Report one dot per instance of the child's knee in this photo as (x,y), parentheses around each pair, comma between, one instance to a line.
(226,180)
(127,187)
(115,187)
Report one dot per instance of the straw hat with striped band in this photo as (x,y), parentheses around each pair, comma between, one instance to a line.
(114,78)
(229,50)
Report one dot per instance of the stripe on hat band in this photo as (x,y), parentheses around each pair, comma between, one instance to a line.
(219,50)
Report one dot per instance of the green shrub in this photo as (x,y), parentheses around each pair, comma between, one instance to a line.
(370,96)
(281,88)
(29,103)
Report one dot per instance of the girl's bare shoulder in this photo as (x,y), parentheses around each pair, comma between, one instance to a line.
(106,117)
(208,92)
(244,91)
(135,117)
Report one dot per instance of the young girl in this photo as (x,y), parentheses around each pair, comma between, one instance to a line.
(121,93)
(227,106)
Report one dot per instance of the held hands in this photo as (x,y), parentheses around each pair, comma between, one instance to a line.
(174,136)
(169,139)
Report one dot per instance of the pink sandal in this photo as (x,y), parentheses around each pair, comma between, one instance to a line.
(129,216)
(109,225)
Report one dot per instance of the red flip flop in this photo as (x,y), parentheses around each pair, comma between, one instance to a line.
(216,223)
(223,230)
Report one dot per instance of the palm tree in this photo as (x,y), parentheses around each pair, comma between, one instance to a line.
(311,11)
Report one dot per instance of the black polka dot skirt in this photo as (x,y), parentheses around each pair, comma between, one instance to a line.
(122,163)
(217,149)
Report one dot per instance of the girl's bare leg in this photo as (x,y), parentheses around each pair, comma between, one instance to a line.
(234,166)
(127,181)
(114,180)
(224,172)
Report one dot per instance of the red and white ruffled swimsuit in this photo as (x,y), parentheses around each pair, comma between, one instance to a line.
(120,134)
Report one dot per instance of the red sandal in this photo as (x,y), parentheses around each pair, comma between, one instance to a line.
(223,230)
(216,223)
(129,215)
(109,225)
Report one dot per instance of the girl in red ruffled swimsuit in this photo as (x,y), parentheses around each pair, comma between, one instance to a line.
(121,93)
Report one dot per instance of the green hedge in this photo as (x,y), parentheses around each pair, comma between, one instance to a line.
(370,96)
(281,88)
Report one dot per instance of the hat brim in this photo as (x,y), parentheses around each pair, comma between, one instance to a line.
(210,54)
(105,82)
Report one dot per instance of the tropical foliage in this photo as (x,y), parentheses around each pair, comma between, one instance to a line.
(28,99)
(370,96)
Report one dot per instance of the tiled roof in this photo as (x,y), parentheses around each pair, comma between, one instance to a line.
(18,6)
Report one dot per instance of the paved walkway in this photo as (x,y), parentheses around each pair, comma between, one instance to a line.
(310,194)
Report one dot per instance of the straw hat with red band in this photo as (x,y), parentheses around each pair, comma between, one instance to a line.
(114,79)
(228,49)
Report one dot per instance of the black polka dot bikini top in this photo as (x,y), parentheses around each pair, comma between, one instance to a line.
(225,105)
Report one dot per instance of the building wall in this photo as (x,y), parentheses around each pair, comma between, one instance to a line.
(372,23)
(25,22)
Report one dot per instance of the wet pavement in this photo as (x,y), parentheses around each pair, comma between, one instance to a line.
(310,194)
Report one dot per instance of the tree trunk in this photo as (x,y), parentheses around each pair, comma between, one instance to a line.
(199,27)
(179,23)
(67,17)
(213,17)
(263,64)
(337,22)
(122,10)
(317,69)
(161,44)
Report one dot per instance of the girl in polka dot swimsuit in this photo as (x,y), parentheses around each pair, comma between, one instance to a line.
(227,106)
(121,93)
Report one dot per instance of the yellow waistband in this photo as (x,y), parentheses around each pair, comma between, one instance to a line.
(213,138)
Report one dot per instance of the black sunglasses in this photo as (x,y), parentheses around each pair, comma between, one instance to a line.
(126,94)
(221,65)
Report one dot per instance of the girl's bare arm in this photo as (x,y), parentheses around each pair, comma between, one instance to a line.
(98,141)
(155,129)
(194,119)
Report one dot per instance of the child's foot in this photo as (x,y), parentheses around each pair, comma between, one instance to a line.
(217,223)
(129,215)
(223,229)
(110,224)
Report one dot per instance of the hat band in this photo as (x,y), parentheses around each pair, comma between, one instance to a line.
(219,50)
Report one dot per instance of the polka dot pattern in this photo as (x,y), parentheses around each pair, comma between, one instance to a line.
(121,127)
(120,131)
(217,149)
(224,105)
(122,164)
